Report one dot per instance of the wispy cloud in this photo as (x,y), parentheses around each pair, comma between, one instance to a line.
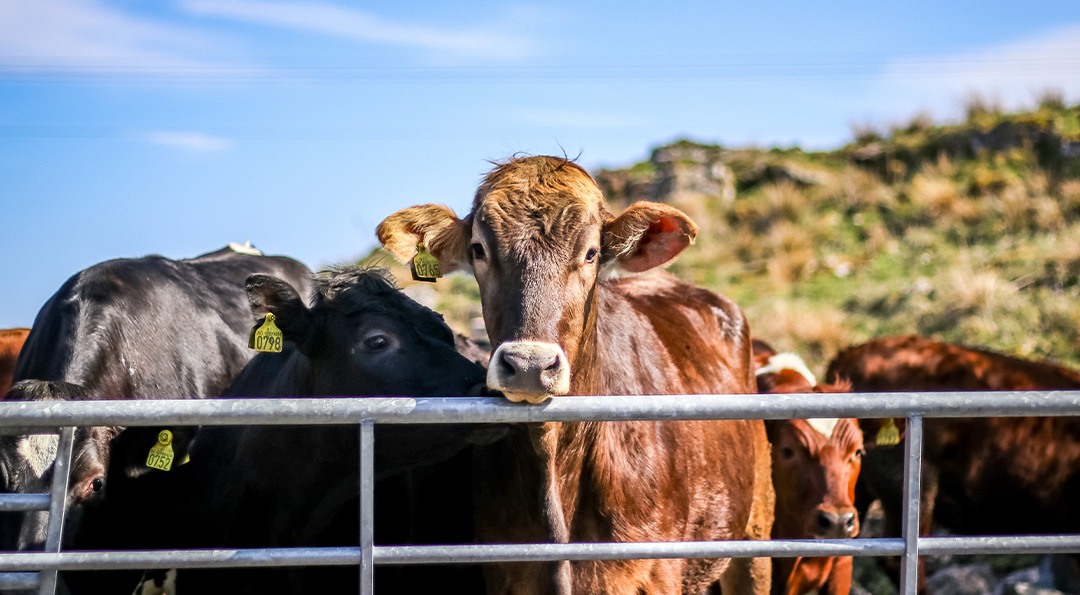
(64,36)
(1013,73)
(357,25)
(191,141)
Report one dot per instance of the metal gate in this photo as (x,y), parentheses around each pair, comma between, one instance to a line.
(37,570)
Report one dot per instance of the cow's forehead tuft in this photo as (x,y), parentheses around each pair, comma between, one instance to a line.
(39,451)
(539,185)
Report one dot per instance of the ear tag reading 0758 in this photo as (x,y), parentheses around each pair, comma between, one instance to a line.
(425,267)
(889,434)
(266,337)
(161,454)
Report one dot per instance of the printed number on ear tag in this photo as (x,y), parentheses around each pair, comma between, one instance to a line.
(425,267)
(889,434)
(266,337)
(161,454)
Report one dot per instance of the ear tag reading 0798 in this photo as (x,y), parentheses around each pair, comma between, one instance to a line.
(889,434)
(266,337)
(425,267)
(161,454)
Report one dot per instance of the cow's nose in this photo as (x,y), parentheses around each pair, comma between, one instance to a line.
(837,525)
(529,371)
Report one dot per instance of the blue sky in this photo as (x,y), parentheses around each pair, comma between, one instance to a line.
(176,126)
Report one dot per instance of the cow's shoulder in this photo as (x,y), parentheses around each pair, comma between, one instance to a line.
(664,297)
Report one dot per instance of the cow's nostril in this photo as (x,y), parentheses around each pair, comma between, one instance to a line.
(849,521)
(826,520)
(507,366)
(552,365)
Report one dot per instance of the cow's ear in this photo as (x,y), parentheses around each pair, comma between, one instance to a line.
(442,233)
(645,236)
(270,295)
(130,450)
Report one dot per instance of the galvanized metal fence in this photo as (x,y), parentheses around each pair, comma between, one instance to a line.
(38,570)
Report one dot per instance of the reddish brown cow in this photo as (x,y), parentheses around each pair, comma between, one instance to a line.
(11,341)
(545,251)
(989,476)
(816,463)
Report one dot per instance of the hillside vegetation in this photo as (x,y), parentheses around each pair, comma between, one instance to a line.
(967,232)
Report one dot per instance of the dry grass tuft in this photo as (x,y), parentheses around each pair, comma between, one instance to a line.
(816,333)
(792,253)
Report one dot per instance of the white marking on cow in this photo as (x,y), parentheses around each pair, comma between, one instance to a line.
(788,361)
(150,587)
(245,248)
(39,451)
(824,425)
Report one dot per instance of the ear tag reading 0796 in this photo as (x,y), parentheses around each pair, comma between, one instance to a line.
(161,454)
(266,337)
(425,267)
(889,434)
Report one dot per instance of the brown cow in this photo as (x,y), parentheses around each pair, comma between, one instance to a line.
(816,463)
(11,341)
(545,250)
(981,476)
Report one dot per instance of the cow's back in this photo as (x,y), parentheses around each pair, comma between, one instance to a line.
(150,327)
(913,363)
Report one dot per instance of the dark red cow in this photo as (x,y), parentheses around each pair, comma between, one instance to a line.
(546,253)
(11,341)
(816,463)
(981,476)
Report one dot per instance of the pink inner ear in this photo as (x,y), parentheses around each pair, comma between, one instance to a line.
(664,240)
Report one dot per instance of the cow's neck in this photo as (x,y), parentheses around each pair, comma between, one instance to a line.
(607,362)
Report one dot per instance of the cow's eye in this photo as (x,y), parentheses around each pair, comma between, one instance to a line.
(787,452)
(590,256)
(376,342)
(477,251)
(97,484)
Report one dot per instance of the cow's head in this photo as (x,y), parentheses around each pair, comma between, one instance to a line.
(363,336)
(538,240)
(816,463)
(26,466)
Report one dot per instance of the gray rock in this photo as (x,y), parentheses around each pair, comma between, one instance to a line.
(973,579)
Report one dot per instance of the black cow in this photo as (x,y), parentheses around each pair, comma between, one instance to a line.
(289,486)
(142,328)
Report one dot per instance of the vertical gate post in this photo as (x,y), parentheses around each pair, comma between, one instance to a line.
(57,505)
(367,504)
(909,566)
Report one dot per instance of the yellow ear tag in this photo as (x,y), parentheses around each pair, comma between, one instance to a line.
(889,434)
(266,337)
(161,454)
(425,267)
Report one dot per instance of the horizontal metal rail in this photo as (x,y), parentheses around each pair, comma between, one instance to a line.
(23,502)
(24,417)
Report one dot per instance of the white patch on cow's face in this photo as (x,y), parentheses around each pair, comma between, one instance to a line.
(788,361)
(824,425)
(150,587)
(39,451)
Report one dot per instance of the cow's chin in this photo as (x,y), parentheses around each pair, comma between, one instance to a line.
(531,398)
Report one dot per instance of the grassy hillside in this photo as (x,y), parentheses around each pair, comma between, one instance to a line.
(967,232)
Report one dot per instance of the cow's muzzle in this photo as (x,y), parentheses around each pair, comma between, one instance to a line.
(529,371)
(841,524)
